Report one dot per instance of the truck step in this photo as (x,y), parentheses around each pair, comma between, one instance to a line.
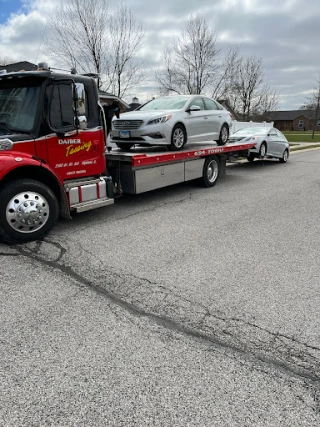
(94,204)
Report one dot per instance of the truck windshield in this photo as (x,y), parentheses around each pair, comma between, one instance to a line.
(18,105)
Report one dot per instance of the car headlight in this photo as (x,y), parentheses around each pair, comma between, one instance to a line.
(252,138)
(158,120)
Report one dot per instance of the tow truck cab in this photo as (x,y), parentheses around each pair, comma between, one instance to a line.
(53,136)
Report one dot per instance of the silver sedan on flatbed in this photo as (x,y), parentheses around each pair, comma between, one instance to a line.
(173,121)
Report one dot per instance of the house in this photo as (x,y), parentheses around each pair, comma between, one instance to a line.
(293,120)
(19,66)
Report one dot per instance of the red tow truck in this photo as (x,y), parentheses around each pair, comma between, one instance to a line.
(54,158)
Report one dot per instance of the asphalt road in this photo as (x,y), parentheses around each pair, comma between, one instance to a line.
(181,307)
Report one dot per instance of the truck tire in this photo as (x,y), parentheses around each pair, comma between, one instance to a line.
(29,210)
(211,170)
(224,135)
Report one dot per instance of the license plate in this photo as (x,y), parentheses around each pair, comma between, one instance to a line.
(124,134)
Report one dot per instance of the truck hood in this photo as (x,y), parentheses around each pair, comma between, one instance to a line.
(145,115)
(16,136)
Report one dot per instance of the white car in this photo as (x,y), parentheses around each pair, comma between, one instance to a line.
(173,121)
(270,142)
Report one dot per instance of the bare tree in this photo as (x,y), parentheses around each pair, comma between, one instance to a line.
(314,102)
(190,66)
(78,35)
(87,35)
(249,92)
(126,36)
(225,74)
(6,60)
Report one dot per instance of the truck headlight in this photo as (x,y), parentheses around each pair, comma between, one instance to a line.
(5,144)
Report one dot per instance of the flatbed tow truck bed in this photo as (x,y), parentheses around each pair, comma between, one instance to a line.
(145,169)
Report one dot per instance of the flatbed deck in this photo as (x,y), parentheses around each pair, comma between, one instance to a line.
(145,169)
(148,156)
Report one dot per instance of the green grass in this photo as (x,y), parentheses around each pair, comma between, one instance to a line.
(302,136)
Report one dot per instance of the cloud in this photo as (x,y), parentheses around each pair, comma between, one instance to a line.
(284,34)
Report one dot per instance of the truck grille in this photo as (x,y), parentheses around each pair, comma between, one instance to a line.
(127,124)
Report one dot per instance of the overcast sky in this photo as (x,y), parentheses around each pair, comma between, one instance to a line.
(285,33)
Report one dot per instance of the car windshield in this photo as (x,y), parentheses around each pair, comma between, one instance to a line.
(168,103)
(18,106)
(253,131)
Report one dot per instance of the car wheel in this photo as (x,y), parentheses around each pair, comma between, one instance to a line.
(178,137)
(250,158)
(211,170)
(285,157)
(263,150)
(30,210)
(224,135)
(124,146)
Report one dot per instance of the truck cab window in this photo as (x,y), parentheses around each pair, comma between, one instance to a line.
(62,108)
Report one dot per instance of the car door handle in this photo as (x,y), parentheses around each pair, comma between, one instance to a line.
(220,116)
(206,117)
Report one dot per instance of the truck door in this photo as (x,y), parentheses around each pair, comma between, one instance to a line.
(73,153)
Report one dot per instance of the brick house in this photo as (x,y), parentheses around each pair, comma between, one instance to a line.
(293,120)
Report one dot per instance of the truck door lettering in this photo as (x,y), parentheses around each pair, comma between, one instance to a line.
(85,146)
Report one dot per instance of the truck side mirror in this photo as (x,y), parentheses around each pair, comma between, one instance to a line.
(80,106)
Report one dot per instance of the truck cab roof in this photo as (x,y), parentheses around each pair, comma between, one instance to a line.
(45,74)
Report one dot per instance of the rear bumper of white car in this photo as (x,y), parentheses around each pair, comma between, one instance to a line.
(158,134)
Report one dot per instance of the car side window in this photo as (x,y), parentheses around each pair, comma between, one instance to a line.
(273,132)
(197,102)
(210,104)
(280,135)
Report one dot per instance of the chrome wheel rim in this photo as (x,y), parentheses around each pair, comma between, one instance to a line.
(27,212)
(224,134)
(178,138)
(285,156)
(262,150)
(212,171)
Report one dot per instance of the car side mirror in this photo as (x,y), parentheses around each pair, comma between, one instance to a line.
(193,108)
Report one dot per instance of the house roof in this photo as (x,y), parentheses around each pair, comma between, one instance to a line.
(18,66)
(290,114)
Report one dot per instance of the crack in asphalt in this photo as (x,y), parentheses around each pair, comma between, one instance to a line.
(179,314)
(5,254)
